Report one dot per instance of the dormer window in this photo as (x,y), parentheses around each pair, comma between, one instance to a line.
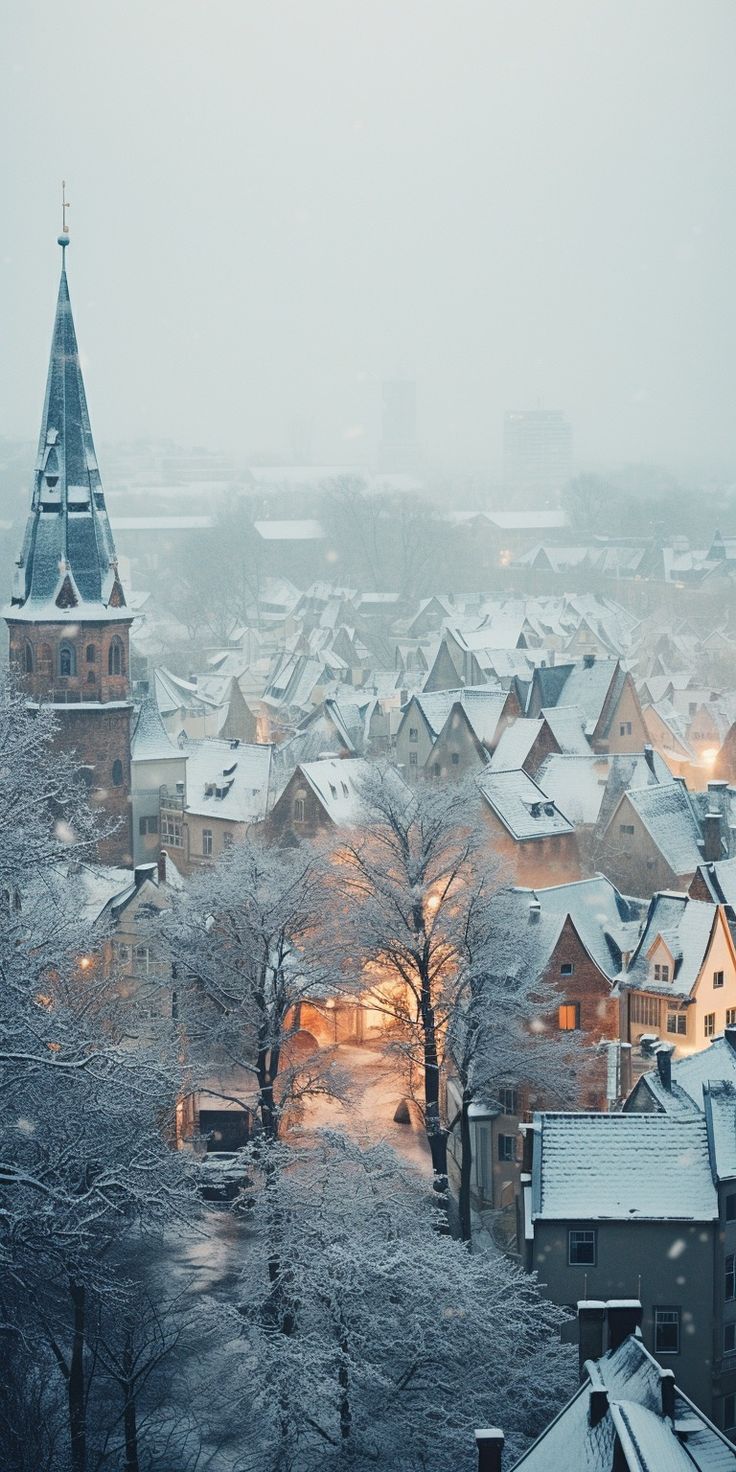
(51,481)
(67,660)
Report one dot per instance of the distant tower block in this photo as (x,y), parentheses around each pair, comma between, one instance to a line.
(537,453)
(67,620)
(399,424)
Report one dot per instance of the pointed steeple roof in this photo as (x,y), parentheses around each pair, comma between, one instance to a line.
(67,568)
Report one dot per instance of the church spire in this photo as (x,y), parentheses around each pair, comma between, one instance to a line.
(68,558)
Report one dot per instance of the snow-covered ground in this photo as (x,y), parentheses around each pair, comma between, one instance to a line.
(375,1091)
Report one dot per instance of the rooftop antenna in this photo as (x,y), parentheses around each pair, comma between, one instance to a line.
(63,239)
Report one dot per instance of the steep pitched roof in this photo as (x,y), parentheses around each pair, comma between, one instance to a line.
(634,1418)
(227,779)
(68,557)
(667,814)
(150,740)
(686,927)
(719,1101)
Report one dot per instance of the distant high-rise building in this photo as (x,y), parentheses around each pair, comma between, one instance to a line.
(537,451)
(399,423)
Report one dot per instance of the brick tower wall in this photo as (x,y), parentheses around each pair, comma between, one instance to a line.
(92,709)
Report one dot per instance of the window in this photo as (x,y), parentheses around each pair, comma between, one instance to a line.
(28,659)
(123,952)
(662,973)
(568,1016)
(731,1017)
(300,810)
(626,828)
(709,1025)
(624,728)
(207,842)
(147,825)
(718,978)
(729,1338)
(414,733)
(117,773)
(509,1101)
(645,1010)
(455,759)
(436,769)
(729,1412)
(91,678)
(677,1023)
(67,660)
(566,968)
(729,1287)
(115,658)
(581,1248)
(143,962)
(731,1207)
(171,830)
(91,654)
(227,840)
(412,759)
(666,1331)
(507,1147)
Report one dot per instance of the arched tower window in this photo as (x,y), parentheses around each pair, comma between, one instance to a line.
(28,659)
(117,773)
(91,654)
(115,662)
(67,659)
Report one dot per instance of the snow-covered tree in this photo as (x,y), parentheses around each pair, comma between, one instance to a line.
(249,954)
(398,1341)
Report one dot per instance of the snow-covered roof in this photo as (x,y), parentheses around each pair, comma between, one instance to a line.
(532,921)
(720,1114)
(633,1418)
(666,811)
(290,531)
(576,784)
(685,926)
(567,724)
(150,741)
(161,523)
(587,686)
(523,808)
(622,1167)
(715,1064)
(515,743)
(227,779)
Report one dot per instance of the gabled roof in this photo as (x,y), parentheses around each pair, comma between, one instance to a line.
(68,557)
(523,808)
(339,786)
(667,814)
(622,1167)
(576,784)
(690,1074)
(588,685)
(533,921)
(515,744)
(567,724)
(719,1101)
(685,926)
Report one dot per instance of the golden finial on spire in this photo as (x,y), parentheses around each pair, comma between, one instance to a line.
(64,237)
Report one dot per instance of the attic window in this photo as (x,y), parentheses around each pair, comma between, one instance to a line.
(566,968)
(661,973)
(51,481)
(347,794)
(413,733)
(718,978)
(333,790)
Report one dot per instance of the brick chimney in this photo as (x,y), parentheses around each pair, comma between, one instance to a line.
(591,1328)
(535,910)
(489,1445)
(624,1316)
(663,1056)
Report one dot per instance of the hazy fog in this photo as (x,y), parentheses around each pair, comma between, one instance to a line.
(277,204)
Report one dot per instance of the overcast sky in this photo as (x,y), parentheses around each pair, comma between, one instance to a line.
(277,203)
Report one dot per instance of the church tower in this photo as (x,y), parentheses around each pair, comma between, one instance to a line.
(68,621)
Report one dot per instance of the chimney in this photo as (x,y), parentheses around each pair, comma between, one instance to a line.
(588,661)
(161,867)
(624,1316)
(626,1070)
(142,872)
(535,910)
(667,1392)
(591,1324)
(489,1445)
(717,796)
(712,846)
(649,759)
(729,1034)
(663,1056)
(597,1394)
(647,1043)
